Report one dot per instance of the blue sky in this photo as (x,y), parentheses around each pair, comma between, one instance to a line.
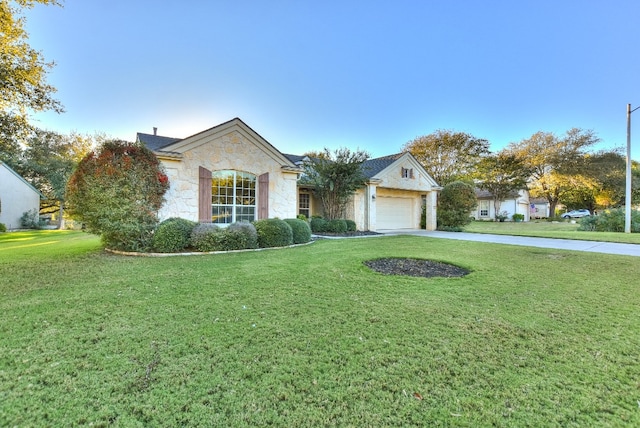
(360,74)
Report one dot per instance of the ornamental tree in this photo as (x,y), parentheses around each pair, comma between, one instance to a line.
(116,192)
(334,178)
(455,203)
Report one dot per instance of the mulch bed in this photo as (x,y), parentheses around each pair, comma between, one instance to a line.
(415,267)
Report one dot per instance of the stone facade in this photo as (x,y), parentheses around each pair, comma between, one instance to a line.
(231,146)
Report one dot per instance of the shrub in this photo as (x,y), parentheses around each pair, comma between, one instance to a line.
(173,235)
(201,235)
(610,221)
(300,229)
(457,199)
(517,217)
(31,220)
(318,225)
(3,228)
(116,192)
(337,226)
(351,226)
(249,233)
(273,232)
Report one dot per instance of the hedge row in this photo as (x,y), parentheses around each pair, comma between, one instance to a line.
(177,234)
(321,225)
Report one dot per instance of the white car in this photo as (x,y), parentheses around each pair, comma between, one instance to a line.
(576,214)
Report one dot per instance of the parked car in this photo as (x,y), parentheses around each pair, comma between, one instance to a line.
(576,214)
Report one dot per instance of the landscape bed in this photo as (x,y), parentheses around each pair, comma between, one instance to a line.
(311,336)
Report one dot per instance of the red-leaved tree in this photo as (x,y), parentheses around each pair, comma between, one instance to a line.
(116,192)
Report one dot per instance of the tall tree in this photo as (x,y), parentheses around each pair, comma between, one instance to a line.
(447,155)
(502,174)
(48,161)
(552,160)
(334,178)
(23,72)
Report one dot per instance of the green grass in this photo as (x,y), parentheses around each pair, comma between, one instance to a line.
(309,336)
(545,229)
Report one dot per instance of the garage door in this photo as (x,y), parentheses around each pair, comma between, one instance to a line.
(394,213)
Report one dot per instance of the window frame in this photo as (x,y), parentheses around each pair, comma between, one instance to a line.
(233,197)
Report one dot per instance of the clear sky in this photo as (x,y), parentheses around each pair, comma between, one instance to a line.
(361,74)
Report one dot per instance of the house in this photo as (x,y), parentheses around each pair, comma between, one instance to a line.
(17,196)
(230,173)
(539,208)
(517,203)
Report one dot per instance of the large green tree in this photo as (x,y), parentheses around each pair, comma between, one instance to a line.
(23,73)
(49,159)
(552,160)
(334,178)
(455,202)
(447,155)
(502,174)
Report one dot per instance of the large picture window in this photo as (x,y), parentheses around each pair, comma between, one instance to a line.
(233,197)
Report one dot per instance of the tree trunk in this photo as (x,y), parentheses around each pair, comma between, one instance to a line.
(61,214)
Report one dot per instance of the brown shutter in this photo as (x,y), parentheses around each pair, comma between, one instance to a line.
(263,196)
(204,195)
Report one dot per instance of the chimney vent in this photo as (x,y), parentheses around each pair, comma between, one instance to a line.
(155,130)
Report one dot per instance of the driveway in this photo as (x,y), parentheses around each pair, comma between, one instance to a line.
(558,244)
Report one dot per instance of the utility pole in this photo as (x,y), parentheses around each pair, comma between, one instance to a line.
(627,204)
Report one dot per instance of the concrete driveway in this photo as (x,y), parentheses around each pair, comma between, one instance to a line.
(558,244)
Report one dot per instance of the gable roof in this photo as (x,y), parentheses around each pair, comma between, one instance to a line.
(21,178)
(372,167)
(175,147)
(155,142)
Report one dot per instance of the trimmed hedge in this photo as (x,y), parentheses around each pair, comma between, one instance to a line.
(301,230)
(351,226)
(249,238)
(202,235)
(318,225)
(273,232)
(173,235)
(337,226)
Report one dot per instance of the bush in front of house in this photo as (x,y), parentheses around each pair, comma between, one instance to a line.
(318,224)
(3,228)
(300,229)
(456,201)
(336,226)
(351,226)
(273,232)
(173,235)
(116,192)
(202,235)
(31,220)
(247,234)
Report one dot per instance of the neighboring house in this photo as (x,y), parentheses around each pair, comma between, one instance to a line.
(230,173)
(517,203)
(17,196)
(539,208)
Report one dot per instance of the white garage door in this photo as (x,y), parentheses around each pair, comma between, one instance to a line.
(394,213)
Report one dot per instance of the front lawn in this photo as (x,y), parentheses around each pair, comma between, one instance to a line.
(546,229)
(309,336)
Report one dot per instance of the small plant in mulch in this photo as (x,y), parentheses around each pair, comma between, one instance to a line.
(415,267)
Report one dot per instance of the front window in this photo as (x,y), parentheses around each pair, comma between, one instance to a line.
(304,204)
(484,208)
(233,197)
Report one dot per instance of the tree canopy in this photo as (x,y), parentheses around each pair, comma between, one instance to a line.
(552,160)
(334,177)
(23,73)
(447,155)
(502,174)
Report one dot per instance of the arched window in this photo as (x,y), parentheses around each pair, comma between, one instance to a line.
(233,197)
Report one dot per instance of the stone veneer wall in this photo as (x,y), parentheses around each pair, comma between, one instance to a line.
(229,152)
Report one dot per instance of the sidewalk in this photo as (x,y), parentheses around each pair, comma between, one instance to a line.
(559,244)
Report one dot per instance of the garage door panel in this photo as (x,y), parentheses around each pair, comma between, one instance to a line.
(394,213)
